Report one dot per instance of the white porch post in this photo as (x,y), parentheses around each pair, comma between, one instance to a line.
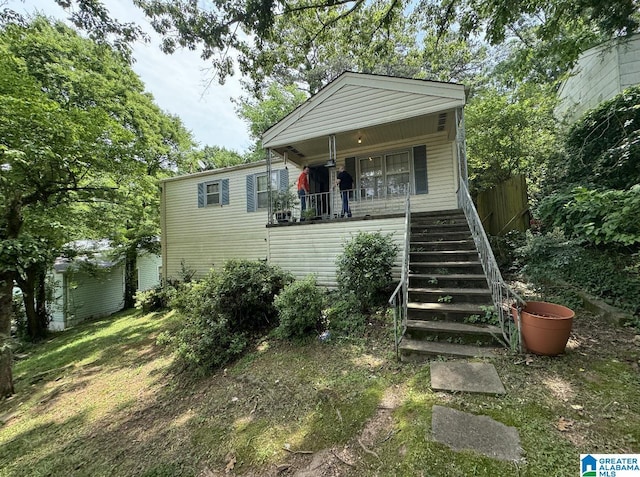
(269,187)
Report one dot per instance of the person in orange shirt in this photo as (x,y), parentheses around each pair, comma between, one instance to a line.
(303,189)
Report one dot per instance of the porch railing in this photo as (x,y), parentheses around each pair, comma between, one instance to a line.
(363,201)
(503,296)
(400,296)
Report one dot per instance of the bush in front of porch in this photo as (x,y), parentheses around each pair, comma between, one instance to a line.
(364,268)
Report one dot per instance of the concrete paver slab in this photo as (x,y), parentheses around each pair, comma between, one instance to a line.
(463,431)
(468,377)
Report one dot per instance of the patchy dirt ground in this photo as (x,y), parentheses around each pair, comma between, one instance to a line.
(118,408)
(591,341)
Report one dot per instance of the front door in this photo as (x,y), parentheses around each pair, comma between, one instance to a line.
(320,185)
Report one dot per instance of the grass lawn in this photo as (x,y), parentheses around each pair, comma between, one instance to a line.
(104,399)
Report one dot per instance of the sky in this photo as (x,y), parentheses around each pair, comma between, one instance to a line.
(177,82)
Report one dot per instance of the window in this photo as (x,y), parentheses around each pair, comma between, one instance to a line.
(386,175)
(371,179)
(213,193)
(258,188)
(397,173)
(262,190)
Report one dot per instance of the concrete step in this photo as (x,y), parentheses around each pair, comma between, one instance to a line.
(444,268)
(449,327)
(450,295)
(454,280)
(423,236)
(442,245)
(439,228)
(443,256)
(459,312)
(438,214)
(419,351)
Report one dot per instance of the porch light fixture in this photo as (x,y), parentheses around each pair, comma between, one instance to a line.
(359,140)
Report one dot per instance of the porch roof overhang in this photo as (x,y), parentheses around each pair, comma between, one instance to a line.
(362,109)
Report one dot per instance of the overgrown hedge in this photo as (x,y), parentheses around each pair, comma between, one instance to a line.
(608,217)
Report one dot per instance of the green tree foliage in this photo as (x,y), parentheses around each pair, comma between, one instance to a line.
(364,268)
(592,189)
(77,131)
(213,157)
(509,133)
(260,115)
(218,26)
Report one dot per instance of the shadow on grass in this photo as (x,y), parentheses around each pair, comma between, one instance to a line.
(122,340)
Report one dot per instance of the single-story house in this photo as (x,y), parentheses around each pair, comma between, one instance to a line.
(395,136)
(601,73)
(91,285)
(402,141)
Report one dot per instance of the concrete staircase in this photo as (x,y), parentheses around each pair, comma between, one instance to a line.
(448,291)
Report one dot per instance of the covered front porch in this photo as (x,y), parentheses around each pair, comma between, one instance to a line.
(394,136)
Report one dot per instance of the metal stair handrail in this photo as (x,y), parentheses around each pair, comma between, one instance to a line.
(400,296)
(503,295)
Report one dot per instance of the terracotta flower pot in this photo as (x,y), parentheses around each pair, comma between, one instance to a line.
(545,327)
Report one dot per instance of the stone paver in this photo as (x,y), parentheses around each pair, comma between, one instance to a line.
(468,377)
(463,431)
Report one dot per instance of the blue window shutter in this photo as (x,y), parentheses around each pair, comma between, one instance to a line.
(225,192)
(283,179)
(420,169)
(251,196)
(201,195)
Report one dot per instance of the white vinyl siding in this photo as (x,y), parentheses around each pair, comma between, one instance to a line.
(85,296)
(355,101)
(148,271)
(205,238)
(600,74)
(313,249)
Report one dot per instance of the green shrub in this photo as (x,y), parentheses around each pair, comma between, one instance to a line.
(344,316)
(603,147)
(299,307)
(206,343)
(608,274)
(608,217)
(224,311)
(364,268)
(244,292)
(156,298)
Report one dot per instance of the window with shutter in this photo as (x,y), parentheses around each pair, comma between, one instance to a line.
(258,188)
(213,193)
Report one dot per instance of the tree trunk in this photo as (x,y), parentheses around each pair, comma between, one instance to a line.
(6,297)
(130,279)
(34,296)
(41,301)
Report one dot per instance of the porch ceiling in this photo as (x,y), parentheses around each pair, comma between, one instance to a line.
(347,142)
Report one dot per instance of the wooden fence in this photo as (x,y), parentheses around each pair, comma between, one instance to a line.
(505,207)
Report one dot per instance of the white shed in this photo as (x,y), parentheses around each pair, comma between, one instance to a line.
(92,285)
